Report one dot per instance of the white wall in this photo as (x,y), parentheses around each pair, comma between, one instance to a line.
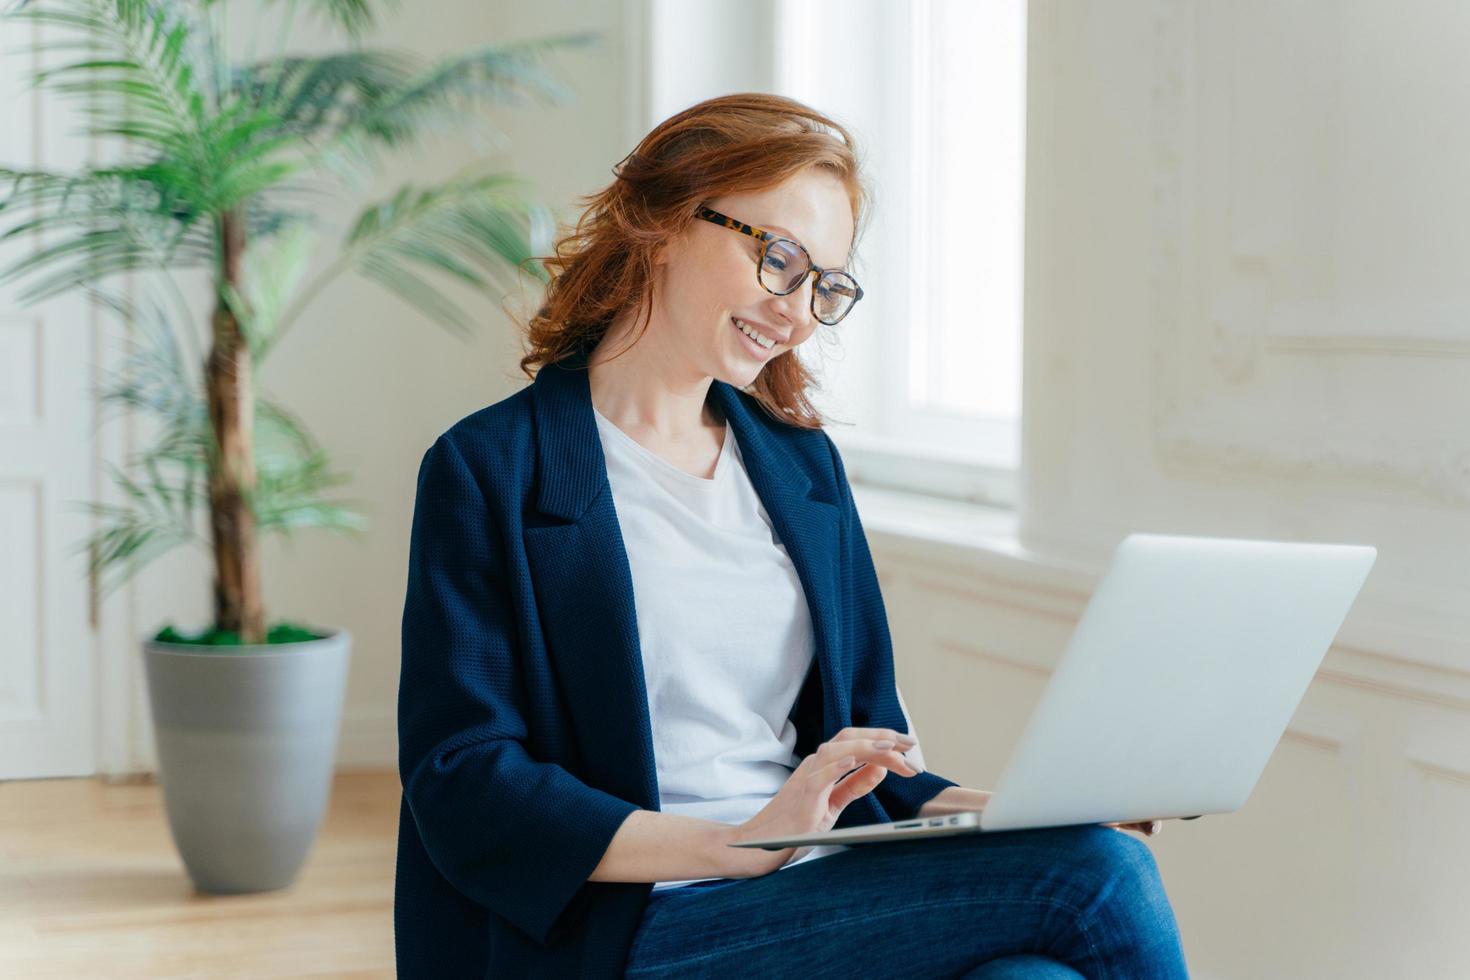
(1246,239)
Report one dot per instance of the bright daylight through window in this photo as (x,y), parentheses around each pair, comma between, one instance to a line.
(928,368)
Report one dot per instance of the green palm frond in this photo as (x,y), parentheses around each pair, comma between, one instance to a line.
(453,88)
(154,376)
(156,216)
(316,94)
(147,78)
(353,16)
(248,154)
(292,474)
(123,219)
(280,435)
(471,228)
(271,272)
(289,497)
(349,104)
(159,508)
(149,56)
(129,540)
(154,204)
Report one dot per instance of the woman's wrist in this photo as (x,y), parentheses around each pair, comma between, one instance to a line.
(744,862)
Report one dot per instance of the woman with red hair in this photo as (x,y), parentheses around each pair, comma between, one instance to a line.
(643,624)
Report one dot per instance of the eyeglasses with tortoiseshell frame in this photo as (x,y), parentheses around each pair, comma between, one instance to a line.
(782,267)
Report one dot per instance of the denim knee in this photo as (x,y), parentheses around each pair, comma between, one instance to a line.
(1104,866)
(1123,876)
(1023,966)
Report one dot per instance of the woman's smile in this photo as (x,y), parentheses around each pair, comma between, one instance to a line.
(746,330)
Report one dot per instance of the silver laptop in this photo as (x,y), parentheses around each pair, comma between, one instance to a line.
(1179,680)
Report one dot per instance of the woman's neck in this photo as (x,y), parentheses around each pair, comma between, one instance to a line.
(646,389)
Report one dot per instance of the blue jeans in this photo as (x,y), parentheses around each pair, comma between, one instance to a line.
(1054,902)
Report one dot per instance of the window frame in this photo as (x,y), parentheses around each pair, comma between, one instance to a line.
(873,457)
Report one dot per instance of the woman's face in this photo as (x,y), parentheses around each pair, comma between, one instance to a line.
(709,275)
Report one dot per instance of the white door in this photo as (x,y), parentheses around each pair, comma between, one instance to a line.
(47,680)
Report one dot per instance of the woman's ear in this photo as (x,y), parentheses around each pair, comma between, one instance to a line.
(661,254)
(674,244)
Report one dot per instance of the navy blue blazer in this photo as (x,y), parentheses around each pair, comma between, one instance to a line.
(523,728)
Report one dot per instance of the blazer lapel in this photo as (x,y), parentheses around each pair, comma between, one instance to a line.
(584,587)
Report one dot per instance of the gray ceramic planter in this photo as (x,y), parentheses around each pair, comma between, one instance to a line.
(246,739)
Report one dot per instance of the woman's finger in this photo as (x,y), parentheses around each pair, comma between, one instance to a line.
(874,733)
(832,770)
(859,783)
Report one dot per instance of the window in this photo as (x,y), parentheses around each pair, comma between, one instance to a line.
(928,367)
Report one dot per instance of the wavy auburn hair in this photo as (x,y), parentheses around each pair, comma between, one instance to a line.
(746,142)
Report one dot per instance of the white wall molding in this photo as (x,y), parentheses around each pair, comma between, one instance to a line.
(1005,581)
(1235,280)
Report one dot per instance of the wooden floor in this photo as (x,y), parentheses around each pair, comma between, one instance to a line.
(91,886)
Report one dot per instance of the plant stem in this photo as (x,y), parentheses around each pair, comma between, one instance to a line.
(232,477)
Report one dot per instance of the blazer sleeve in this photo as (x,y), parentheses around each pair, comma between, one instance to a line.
(516,835)
(874,692)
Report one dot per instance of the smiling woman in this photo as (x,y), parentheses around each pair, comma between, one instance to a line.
(643,625)
(730,306)
(716,154)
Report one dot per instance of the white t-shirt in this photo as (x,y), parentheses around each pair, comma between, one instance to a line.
(725,632)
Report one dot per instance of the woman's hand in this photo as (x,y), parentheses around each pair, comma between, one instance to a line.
(841,770)
(1147,828)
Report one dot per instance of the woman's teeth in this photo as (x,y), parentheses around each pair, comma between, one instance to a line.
(765,342)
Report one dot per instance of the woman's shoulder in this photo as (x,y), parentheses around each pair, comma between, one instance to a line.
(495,430)
(496,444)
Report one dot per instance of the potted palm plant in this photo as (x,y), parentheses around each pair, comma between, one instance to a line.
(219,168)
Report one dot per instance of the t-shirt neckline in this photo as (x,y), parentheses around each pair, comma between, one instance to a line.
(722,463)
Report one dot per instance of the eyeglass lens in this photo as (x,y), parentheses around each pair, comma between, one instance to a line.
(786,266)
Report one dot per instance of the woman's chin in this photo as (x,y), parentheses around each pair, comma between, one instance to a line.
(742,364)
